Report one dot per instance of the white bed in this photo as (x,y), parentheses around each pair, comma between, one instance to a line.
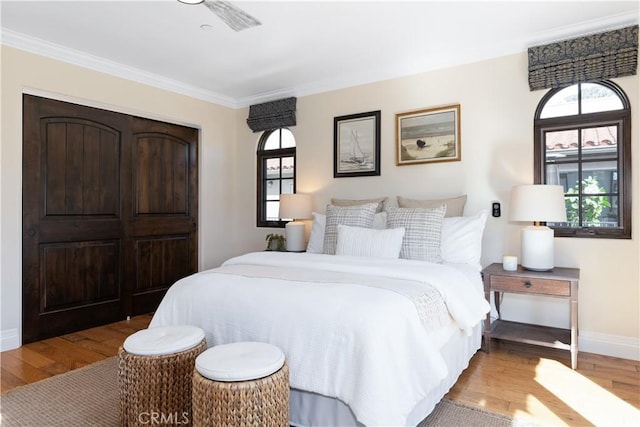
(368,341)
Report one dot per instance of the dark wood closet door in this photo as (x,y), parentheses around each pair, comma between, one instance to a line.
(72,191)
(163,238)
(109,215)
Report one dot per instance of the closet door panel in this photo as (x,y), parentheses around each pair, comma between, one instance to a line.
(72,224)
(163,240)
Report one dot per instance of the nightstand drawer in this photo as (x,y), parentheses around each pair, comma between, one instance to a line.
(531,285)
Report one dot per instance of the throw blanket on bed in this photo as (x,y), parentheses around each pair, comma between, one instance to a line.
(429,304)
(357,335)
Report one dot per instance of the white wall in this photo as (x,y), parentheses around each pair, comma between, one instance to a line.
(38,75)
(497,112)
(497,138)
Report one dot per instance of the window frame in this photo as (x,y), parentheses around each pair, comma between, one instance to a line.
(621,118)
(262,155)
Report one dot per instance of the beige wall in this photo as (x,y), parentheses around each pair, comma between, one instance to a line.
(38,75)
(497,111)
(496,115)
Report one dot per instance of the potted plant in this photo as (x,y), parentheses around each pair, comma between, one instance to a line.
(276,242)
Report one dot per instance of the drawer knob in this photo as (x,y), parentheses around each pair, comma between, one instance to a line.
(528,284)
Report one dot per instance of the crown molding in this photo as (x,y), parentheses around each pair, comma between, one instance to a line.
(593,26)
(585,28)
(82,59)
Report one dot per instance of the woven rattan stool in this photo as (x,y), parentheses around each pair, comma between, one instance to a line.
(241,384)
(155,375)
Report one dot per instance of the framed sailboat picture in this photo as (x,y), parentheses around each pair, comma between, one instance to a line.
(356,145)
(428,136)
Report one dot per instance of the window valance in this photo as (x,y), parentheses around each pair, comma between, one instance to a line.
(589,58)
(272,115)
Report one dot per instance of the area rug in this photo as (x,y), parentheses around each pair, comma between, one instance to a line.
(89,397)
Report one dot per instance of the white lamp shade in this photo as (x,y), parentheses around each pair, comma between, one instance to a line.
(295,206)
(538,202)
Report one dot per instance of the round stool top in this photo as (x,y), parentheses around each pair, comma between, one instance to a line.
(240,361)
(163,340)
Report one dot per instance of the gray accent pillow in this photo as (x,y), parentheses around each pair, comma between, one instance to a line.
(381,201)
(423,231)
(355,216)
(455,205)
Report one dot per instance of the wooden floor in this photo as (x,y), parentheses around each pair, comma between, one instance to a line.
(39,360)
(531,383)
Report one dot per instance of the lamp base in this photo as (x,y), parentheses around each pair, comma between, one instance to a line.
(294,232)
(537,248)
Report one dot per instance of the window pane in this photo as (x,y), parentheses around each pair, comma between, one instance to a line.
(610,215)
(273,189)
(287,186)
(273,168)
(288,167)
(599,142)
(273,141)
(288,141)
(272,210)
(565,174)
(600,177)
(563,103)
(561,145)
(596,98)
(596,212)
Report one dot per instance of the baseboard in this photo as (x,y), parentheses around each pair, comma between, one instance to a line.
(9,339)
(589,342)
(609,345)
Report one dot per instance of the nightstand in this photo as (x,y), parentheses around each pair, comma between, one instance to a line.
(560,283)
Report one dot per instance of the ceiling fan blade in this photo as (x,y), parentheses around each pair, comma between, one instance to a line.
(231,15)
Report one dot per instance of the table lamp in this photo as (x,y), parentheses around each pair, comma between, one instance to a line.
(296,206)
(537,203)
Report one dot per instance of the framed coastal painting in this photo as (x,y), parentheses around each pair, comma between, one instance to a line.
(428,136)
(356,145)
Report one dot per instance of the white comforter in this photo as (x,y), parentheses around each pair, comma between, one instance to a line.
(349,327)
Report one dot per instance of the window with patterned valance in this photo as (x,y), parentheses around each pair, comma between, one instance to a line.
(590,58)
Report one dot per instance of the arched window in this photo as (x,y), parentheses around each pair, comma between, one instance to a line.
(583,142)
(276,174)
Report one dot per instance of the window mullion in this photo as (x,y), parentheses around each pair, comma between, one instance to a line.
(580,175)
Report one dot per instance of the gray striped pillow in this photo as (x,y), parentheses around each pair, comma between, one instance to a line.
(423,231)
(355,216)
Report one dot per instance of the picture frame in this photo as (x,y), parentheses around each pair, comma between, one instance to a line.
(356,145)
(428,136)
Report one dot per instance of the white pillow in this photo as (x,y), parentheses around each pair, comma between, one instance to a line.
(316,238)
(357,216)
(423,231)
(462,239)
(369,242)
